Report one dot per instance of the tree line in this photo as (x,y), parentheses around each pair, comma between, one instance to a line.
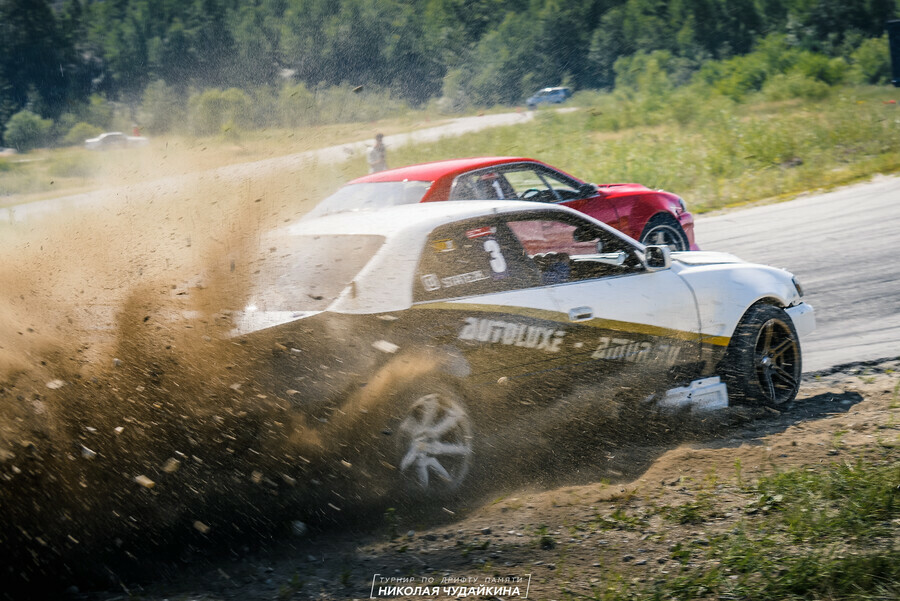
(62,61)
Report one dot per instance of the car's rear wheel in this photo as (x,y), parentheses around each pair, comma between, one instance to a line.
(434,440)
(763,365)
(663,229)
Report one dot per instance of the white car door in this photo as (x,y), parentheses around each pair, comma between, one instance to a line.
(618,314)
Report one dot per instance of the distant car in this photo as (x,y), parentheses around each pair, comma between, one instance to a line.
(115,139)
(548,96)
(650,216)
(417,340)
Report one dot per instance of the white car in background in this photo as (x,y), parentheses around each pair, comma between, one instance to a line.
(549,96)
(115,139)
(419,332)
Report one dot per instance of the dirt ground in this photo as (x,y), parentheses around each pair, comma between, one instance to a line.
(566,541)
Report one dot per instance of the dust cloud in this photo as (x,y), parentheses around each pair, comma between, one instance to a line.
(130,423)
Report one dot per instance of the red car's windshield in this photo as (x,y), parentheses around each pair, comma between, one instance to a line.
(376,195)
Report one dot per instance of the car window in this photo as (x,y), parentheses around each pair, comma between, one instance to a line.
(565,189)
(472,258)
(540,185)
(567,249)
(529,185)
(482,185)
(373,195)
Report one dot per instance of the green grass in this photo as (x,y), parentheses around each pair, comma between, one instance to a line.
(695,512)
(829,532)
(721,154)
(47,171)
(855,501)
(543,540)
(776,577)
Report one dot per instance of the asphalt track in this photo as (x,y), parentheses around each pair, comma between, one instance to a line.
(841,246)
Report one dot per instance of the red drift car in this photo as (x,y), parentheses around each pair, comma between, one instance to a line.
(650,216)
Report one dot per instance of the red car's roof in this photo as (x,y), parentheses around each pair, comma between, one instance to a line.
(429,172)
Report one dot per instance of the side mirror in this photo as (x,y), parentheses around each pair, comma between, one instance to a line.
(586,190)
(658,257)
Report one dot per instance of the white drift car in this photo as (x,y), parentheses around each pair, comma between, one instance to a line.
(425,329)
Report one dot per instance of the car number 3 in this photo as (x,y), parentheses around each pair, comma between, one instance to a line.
(498,263)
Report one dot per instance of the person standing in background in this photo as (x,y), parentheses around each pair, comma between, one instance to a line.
(377,155)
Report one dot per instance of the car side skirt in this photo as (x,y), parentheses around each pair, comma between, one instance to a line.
(593,344)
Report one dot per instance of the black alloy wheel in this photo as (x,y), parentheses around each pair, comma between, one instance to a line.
(763,364)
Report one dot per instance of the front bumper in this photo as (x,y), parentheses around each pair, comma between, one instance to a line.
(686,221)
(804,318)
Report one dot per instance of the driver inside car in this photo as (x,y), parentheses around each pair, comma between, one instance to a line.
(493,186)
(555,267)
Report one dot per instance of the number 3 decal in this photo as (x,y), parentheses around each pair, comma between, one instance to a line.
(498,263)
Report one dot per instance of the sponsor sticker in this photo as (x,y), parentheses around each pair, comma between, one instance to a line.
(512,334)
(634,351)
(443,246)
(432,282)
(463,278)
(480,232)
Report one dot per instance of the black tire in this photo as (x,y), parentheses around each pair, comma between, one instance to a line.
(663,229)
(762,365)
(433,439)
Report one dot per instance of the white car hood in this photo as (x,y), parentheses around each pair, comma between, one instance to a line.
(726,286)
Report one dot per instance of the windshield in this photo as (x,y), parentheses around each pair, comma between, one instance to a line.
(307,273)
(376,195)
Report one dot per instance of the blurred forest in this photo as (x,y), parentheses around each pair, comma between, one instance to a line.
(67,68)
